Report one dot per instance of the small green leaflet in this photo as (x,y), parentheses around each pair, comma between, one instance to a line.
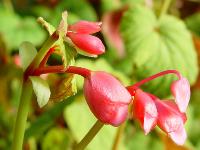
(154,45)
(66,87)
(27,52)
(68,52)
(41,89)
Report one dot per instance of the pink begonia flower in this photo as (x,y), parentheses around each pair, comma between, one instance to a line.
(181,91)
(144,109)
(170,115)
(80,32)
(85,27)
(107,98)
(171,120)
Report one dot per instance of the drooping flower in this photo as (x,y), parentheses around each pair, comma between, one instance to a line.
(168,115)
(80,32)
(144,109)
(181,91)
(171,120)
(107,98)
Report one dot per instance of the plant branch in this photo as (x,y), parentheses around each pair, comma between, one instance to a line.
(22,114)
(89,136)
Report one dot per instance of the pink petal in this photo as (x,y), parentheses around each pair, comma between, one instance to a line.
(85,27)
(145,110)
(181,91)
(87,43)
(171,120)
(179,136)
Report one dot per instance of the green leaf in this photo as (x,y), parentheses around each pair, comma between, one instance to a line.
(50,28)
(27,52)
(65,88)
(80,120)
(57,139)
(15,30)
(41,89)
(154,45)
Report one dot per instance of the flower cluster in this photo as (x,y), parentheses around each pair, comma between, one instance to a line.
(109,100)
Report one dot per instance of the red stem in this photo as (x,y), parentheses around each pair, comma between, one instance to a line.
(132,88)
(60,69)
(44,61)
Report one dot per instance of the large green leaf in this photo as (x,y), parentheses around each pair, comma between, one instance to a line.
(15,30)
(80,120)
(27,52)
(154,45)
(41,89)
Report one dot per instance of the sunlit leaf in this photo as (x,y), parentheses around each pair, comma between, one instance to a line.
(41,89)
(154,45)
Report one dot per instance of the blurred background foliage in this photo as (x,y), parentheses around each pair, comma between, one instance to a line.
(139,43)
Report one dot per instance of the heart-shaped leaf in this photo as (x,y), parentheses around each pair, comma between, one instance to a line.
(155,45)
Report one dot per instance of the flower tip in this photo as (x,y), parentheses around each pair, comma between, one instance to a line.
(179,136)
(181,91)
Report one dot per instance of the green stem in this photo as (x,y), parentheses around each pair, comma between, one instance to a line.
(89,136)
(23,109)
(22,114)
(118,137)
(164,8)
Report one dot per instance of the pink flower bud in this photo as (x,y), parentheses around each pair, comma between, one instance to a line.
(85,27)
(144,109)
(181,91)
(171,120)
(87,43)
(107,98)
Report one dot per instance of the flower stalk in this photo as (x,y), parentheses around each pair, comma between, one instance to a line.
(89,136)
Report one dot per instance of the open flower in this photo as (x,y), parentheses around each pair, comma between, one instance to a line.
(80,32)
(171,120)
(168,115)
(107,98)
